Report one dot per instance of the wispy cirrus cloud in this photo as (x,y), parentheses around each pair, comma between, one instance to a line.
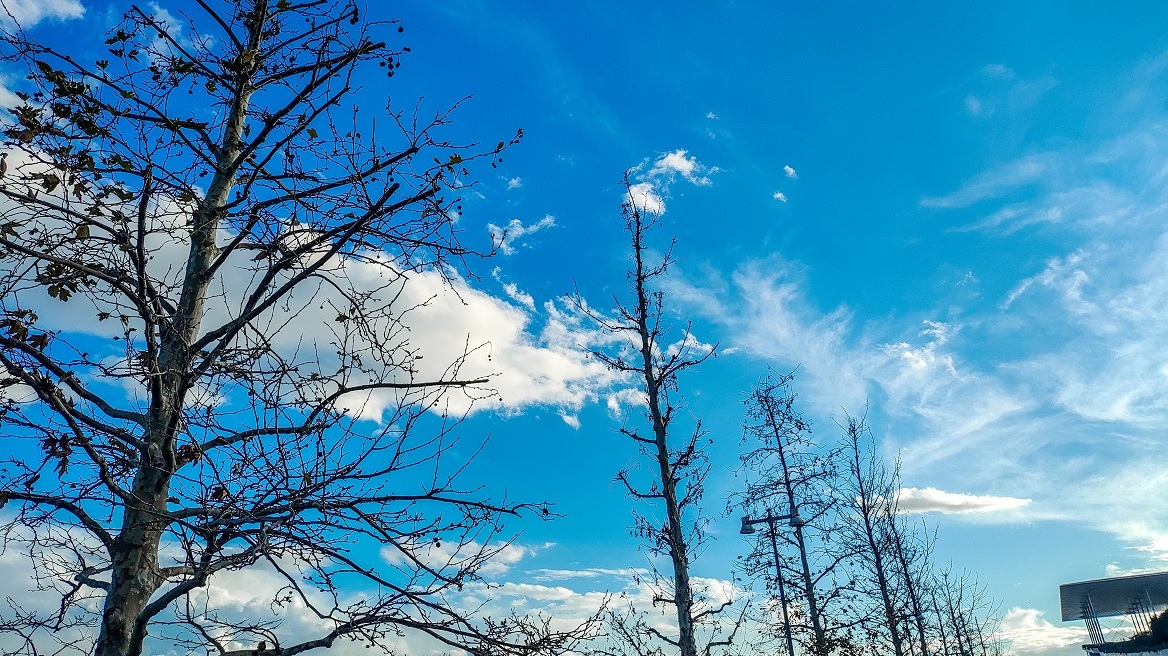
(998,90)
(584,573)
(506,238)
(1084,373)
(996,182)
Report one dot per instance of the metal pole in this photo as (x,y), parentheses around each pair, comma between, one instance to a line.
(782,588)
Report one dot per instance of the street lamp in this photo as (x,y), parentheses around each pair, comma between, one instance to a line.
(794,520)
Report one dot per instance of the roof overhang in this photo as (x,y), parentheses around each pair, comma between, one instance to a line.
(1115,596)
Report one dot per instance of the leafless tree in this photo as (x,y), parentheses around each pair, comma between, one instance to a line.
(172,418)
(967,615)
(651,351)
(915,608)
(867,495)
(787,473)
(911,547)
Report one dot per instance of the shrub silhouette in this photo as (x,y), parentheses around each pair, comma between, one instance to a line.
(1159,626)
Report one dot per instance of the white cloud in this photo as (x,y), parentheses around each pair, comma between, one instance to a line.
(765,312)
(690,344)
(712,116)
(925,356)
(530,357)
(650,188)
(955,425)
(507,237)
(518,295)
(169,22)
(1028,633)
(680,163)
(8,99)
(645,197)
(1157,547)
(922,500)
(996,94)
(780,196)
(1059,395)
(629,397)
(28,13)
(789,171)
(533,591)
(450,321)
(514,183)
(551,368)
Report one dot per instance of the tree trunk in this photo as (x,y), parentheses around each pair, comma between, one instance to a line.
(682,592)
(882,581)
(819,635)
(136,575)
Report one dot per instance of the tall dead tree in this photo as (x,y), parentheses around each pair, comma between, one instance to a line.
(651,352)
(788,474)
(206,265)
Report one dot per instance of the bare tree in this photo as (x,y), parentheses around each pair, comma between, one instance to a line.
(651,351)
(911,546)
(178,219)
(966,614)
(787,473)
(917,609)
(866,495)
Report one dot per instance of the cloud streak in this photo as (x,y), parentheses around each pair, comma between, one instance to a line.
(923,500)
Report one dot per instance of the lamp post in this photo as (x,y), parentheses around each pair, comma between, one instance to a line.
(793,519)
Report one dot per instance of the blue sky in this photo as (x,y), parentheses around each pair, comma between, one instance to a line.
(952,213)
(973,243)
